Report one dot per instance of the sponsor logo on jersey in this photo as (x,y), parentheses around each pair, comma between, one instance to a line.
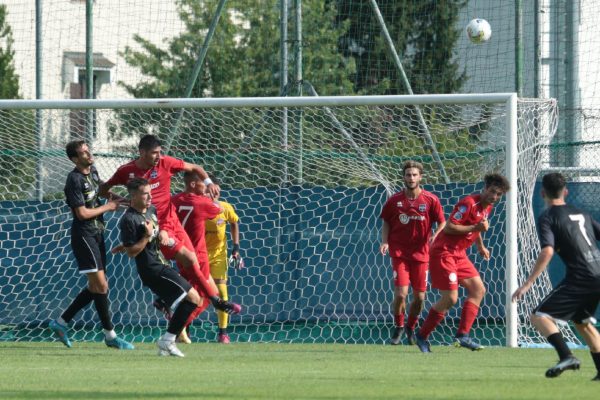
(452,277)
(405,219)
(220,221)
(131,175)
(154,174)
(462,209)
(422,207)
(399,204)
(154,185)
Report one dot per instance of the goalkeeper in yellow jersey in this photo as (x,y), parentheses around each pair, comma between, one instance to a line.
(216,245)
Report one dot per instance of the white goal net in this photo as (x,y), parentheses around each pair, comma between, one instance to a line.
(308,178)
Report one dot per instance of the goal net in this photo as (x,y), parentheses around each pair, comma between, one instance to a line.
(308,177)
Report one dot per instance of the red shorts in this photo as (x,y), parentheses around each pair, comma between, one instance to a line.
(447,270)
(410,272)
(180,237)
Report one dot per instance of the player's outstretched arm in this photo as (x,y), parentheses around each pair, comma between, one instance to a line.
(454,229)
(541,263)
(212,188)
(104,190)
(83,213)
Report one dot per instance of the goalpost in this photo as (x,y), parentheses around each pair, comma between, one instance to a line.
(308,176)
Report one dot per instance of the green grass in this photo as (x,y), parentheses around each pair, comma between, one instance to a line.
(286,371)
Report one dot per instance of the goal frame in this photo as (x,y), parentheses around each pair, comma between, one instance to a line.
(509,100)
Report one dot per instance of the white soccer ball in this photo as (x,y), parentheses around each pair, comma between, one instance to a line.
(479,31)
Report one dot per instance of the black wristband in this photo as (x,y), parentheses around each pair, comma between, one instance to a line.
(235,248)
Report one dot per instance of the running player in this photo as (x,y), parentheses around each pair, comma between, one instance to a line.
(572,233)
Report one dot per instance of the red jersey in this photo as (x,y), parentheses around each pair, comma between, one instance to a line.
(468,211)
(159,178)
(411,223)
(193,210)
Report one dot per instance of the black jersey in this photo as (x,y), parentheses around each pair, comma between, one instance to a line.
(133,229)
(573,233)
(82,190)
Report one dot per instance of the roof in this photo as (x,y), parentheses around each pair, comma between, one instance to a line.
(78,58)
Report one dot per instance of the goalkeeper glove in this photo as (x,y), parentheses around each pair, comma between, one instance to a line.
(236,261)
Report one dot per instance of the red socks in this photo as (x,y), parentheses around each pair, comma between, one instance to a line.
(467,318)
(399,320)
(431,322)
(412,321)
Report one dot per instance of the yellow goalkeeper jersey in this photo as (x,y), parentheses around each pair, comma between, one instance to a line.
(216,234)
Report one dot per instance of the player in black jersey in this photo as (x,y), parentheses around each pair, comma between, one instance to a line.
(87,242)
(571,233)
(140,237)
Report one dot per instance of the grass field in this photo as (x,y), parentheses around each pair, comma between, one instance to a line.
(286,371)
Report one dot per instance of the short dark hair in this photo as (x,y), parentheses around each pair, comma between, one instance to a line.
(72,147)
(148,142)
(498,181)
(412,164)
(135,184)
(553,184)
(189,176)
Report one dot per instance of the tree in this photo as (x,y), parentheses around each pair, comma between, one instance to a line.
(242,61)
(17,135)
(9,80)
(424,35)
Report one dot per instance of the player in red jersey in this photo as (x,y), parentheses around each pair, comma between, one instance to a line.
(158,169)
(408,218)
(193,209)
(450,266)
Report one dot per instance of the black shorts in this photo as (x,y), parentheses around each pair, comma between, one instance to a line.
(568,302)
(166,283)
(90,252)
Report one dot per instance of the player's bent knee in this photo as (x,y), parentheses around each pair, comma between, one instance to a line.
(446,303)
(186,257)
(400,298)
(193,296)
(98,287)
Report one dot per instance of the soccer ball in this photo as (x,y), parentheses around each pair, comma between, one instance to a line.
(479,30)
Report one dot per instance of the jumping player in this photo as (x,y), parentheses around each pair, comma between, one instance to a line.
(450,267)
(158,169)
(193,209)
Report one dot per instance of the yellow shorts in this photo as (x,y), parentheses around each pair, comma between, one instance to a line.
(218,269)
